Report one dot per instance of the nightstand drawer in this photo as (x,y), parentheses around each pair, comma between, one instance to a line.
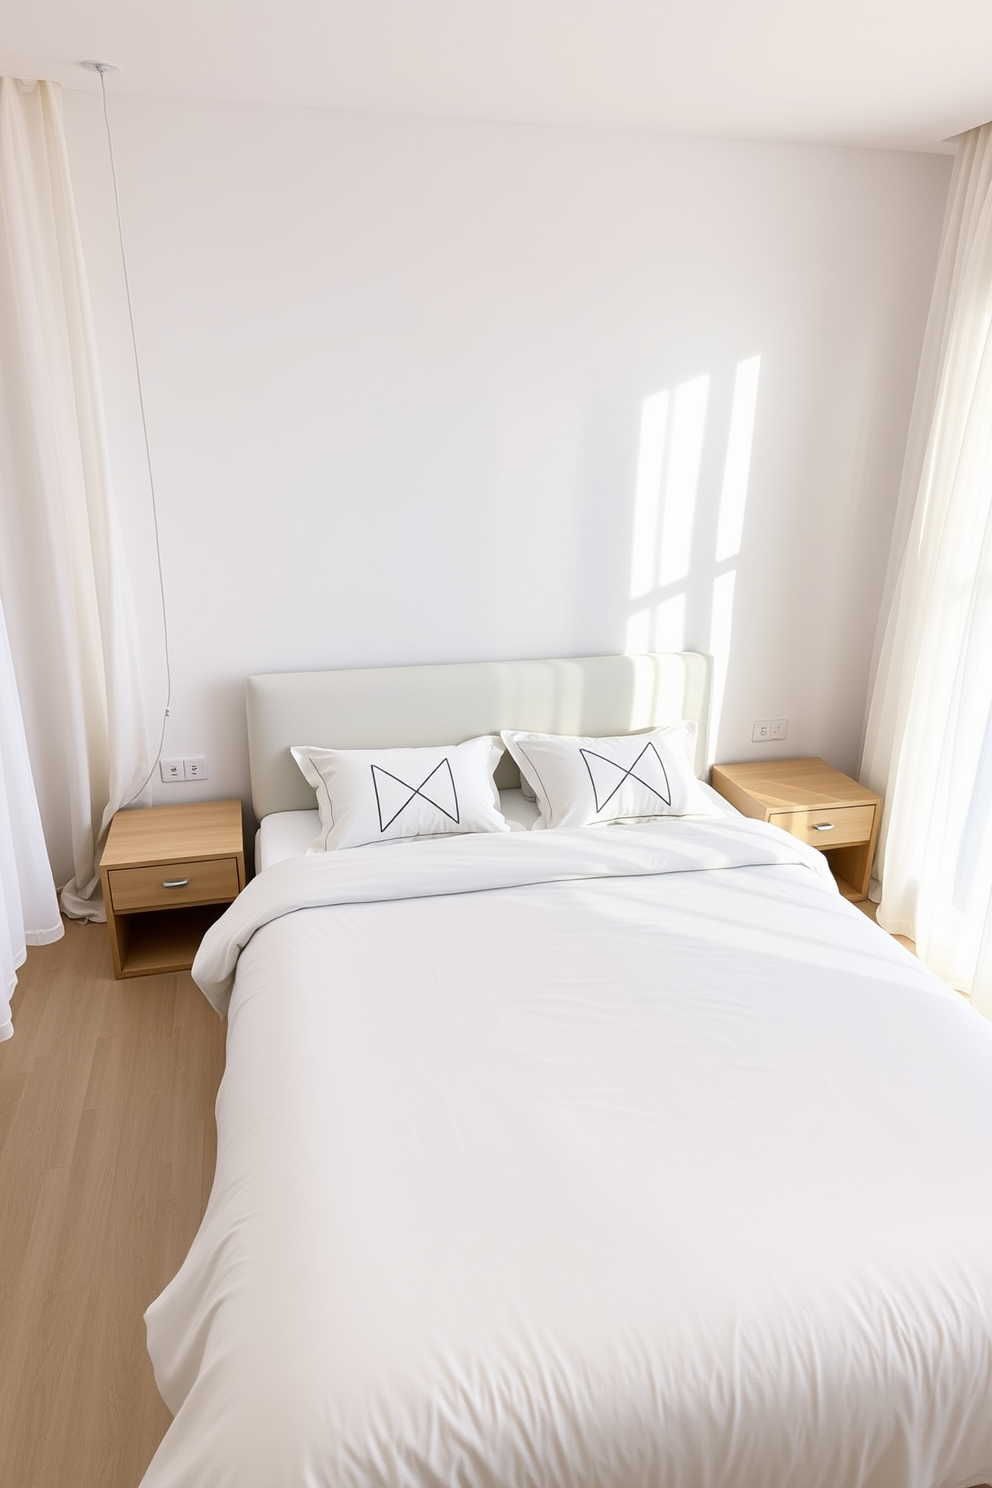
(213,881)
(833,826)
(812,800)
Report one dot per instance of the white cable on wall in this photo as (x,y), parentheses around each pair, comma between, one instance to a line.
(103,68)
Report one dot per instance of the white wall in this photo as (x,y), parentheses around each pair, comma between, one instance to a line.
(395,373)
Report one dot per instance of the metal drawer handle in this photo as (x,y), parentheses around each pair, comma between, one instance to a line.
(174,883)
(817,827)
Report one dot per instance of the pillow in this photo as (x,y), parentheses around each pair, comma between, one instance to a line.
(383,795)
(630,776)
(526,789)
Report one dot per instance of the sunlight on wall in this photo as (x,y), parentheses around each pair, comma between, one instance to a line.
(681,595)
(650,464)
(681,487)
(735,476)
(669,624)
(730,530)
(721,634)
(668,463)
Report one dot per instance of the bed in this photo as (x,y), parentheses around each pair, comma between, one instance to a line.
(583,1158)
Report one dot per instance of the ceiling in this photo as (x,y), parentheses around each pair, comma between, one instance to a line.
(904,74)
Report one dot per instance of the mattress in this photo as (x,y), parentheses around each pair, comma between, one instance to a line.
(592,1159)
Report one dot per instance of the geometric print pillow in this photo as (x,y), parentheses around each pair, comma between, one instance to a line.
(383,795)
(579,781)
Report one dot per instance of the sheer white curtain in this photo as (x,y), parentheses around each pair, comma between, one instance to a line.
(63,575)
(929,739)
(29,910)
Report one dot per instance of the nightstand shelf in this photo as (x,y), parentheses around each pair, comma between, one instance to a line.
(156,940)
(812,800)
(168,872)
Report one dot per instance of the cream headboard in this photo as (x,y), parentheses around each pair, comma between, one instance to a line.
(390,707)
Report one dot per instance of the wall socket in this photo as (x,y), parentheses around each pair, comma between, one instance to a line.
(183,769)
(763,730)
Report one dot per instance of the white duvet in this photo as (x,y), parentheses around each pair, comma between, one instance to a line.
(595,1159)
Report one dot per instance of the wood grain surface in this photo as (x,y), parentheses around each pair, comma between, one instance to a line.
(162,834)
(789,785)
(107,1146)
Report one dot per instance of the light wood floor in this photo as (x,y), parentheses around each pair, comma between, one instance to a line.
(871,910)
(106,1157)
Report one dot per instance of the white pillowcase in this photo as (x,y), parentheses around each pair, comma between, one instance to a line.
(384,795)
(578,781)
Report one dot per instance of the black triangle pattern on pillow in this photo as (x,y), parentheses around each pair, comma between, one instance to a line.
(393,795)
(606,776)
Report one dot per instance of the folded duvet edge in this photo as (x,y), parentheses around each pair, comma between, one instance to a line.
(477,864)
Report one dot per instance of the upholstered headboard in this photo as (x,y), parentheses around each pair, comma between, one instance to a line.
(391,707)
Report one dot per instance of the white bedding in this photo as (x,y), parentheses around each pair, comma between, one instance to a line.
(598,1162)
(288,834)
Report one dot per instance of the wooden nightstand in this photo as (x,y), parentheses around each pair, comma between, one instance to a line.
(813,801)
(167,873)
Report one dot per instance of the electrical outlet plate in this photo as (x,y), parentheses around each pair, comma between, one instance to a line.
(171,769)
(765,730)
(195,768)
